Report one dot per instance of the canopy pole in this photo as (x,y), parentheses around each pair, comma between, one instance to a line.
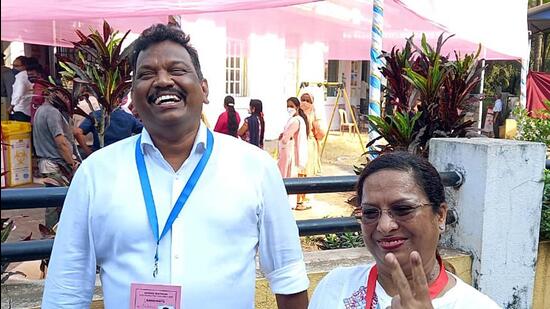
(524,71)
(481,89)
(375,62)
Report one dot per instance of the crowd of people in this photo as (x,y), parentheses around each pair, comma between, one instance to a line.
(298,143)
(198,209)
(60,139)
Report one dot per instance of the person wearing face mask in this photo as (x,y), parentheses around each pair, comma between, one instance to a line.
(36,72)
(293,141)
(20,109)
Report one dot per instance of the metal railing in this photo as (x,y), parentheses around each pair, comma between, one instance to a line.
(54,197)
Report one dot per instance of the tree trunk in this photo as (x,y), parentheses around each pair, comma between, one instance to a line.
(545,51)
(537,45)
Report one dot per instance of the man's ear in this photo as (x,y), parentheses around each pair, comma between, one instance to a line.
(204,86)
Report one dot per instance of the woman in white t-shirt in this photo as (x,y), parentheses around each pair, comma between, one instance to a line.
(403,214)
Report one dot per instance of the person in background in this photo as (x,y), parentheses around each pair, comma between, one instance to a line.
(497,115)
(53,142)
(20,108)
(8,78)
(315,134)
(121,125)
(36,72)
(228,121)
(87,103)
(293,144)
(253,128)
(403,216)
(124,211)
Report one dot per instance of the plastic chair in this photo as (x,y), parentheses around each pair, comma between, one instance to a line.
(343,122)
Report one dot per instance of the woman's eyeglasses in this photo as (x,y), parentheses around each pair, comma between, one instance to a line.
(400,212)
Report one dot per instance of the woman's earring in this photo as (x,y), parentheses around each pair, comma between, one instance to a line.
(442,228)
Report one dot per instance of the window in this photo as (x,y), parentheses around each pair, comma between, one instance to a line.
(331,74)
(235,69)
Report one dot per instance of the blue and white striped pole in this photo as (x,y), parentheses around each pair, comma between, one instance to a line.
(375,61)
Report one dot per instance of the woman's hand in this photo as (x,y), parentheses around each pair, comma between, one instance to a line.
(409,296)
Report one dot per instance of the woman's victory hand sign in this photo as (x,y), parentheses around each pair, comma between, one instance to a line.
(413,295)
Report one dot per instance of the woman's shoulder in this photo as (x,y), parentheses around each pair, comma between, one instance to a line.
(462,295)
(339,285)
(347,276)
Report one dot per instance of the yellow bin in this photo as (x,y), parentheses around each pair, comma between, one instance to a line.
(16,152)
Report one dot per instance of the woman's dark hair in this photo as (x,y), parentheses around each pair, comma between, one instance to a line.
(296,102)
(232,124)
(256,107)
(423,172)
(160,33)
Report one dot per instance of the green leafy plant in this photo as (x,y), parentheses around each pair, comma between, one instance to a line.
(436,91)
(100,68)
(8,225)
(397,130)
(341,241)
(398,91)
(533,129)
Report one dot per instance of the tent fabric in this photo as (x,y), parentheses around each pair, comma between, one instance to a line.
(499,24)
(538,18)
(538,90)
(343,26)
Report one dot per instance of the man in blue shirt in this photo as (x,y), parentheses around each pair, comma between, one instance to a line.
(121,126)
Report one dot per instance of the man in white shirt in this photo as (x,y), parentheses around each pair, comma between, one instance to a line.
(123,214)
(497,115)
(20,109)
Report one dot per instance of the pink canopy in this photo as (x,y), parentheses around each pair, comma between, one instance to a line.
(344,26)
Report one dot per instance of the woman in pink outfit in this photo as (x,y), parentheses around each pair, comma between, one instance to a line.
(293,141)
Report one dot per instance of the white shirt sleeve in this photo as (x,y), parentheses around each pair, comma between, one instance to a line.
(498,106)
(327,294)
(19,88)
(281,257)
(71,272)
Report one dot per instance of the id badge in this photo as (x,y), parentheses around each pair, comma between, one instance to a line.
(154,296)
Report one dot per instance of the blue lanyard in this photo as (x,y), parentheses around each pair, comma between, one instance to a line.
(182,199)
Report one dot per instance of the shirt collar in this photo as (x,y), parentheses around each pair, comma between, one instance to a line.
(199,145)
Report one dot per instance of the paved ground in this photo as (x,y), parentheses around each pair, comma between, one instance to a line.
(339,156)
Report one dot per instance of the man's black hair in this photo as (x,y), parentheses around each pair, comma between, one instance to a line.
(160,33)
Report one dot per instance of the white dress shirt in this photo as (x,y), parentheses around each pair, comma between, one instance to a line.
(238,207)
(22,93)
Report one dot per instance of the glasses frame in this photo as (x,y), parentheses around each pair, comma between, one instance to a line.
(391,215)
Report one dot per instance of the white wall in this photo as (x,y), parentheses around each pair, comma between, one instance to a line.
(14,50)
(266,73)
(312,69)
(210,41)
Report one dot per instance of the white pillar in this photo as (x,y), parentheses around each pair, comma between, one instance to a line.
(499,210)
(266,76)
